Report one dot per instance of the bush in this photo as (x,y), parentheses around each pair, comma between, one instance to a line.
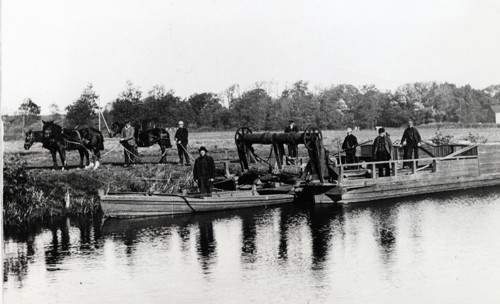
(22,201)
(441,139)
(37,195)
(475,138)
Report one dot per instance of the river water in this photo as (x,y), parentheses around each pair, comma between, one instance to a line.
(437,249)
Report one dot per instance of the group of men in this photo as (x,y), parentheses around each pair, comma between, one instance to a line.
(129,143)
(382,148)
(204,166)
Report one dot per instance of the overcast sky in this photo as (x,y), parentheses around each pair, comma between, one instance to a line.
(52,49)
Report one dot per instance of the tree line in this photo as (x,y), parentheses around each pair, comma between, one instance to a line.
(334,107)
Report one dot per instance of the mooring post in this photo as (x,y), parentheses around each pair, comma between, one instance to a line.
(340,152)
(66,206)
(226,169)
(394,168)
(341,174)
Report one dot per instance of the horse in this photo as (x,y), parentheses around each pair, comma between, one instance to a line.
(147,138)
(93,140)
(32,137)
(57,140)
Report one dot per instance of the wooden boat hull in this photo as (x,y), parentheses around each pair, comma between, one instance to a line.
(395,189)
(127,206)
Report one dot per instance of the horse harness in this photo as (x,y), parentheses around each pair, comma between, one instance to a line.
(81,141)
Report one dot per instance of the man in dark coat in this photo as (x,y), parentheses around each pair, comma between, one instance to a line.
(204,171)
(127,139)
(349,146)
(411,141)
(382,151)
(181,138)
(292,148)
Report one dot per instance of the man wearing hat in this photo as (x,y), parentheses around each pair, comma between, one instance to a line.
(127,139)
(204,171)
(349,146)
(292,148)
(382,151)
(411,141)
(181,139)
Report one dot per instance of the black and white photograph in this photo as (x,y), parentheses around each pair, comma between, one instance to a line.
(232,151)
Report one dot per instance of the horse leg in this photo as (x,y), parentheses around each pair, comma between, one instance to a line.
(96,157)
(163,153)
(82,155)
(62,155)
(88,165)
(54,158)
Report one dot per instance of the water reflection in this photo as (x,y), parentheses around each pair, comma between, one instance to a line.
(328,250)
(206,245)
(60,243)
(16,265)
(384,225)
(322,219)
(248,236)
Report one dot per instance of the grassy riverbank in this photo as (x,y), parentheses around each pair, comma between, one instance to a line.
(31,195)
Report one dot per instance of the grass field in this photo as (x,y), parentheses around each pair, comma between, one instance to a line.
(221,145)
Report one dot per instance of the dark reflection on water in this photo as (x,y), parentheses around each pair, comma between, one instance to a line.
(385,231)
(206,245)
(437,249)
(321,219)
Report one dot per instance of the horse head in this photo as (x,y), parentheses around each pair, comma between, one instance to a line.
(51,131)
(116,128)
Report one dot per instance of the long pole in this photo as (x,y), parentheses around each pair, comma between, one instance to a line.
(182,146)
(106,124)
(340,150)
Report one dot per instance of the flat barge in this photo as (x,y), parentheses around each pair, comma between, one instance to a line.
(473,166)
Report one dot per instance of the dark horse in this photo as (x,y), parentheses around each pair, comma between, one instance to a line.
(147,138)
(84,139)
(31,138)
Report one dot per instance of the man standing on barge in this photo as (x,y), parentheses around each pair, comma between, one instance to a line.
(382,151)
(204,171)
(411,142)
(292,148)
(349,146)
